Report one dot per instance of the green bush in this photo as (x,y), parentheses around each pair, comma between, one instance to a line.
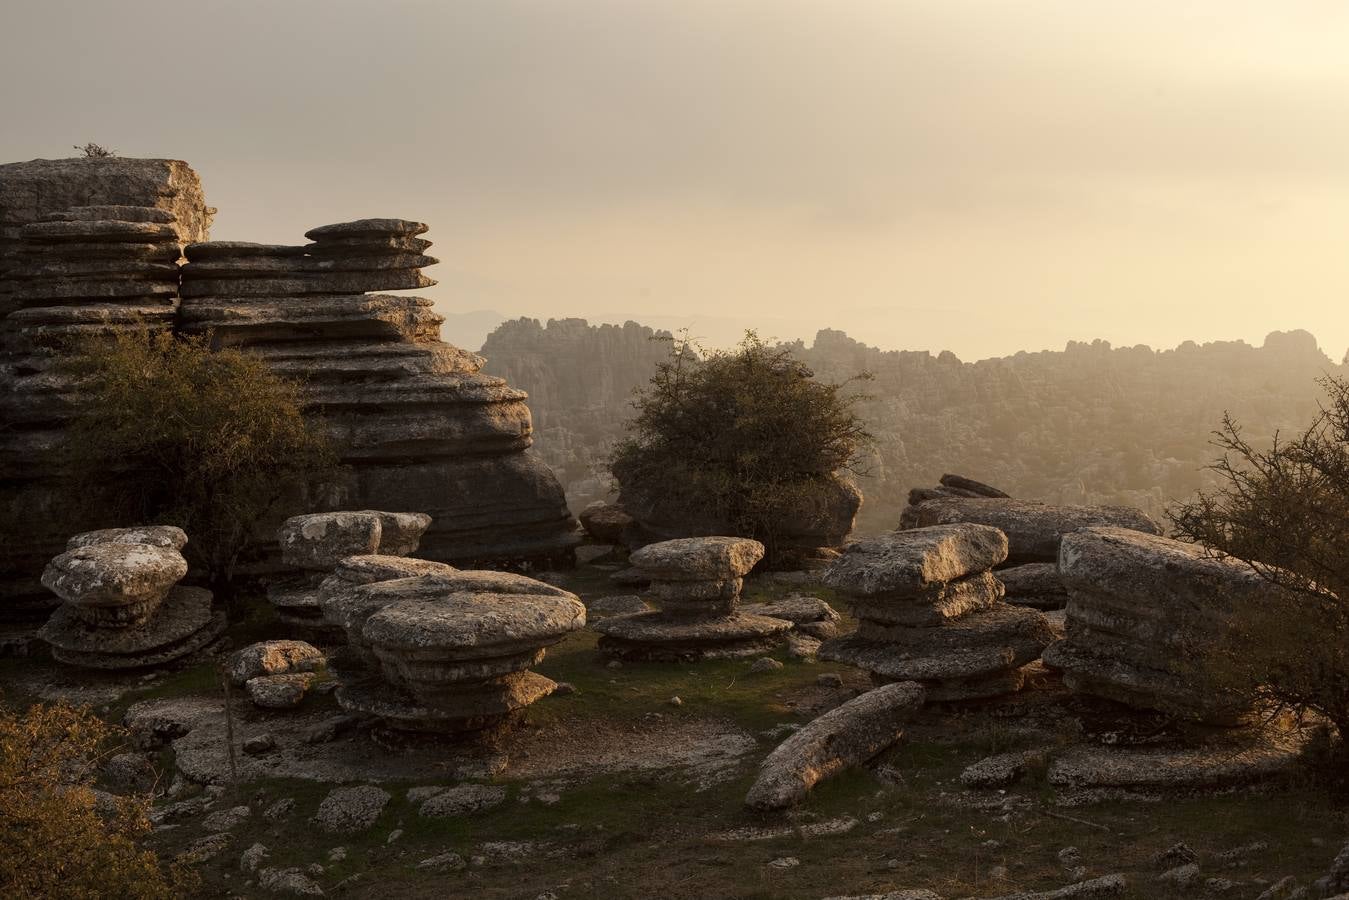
(58,840)
(740,437)
(171,431)
(1284,511)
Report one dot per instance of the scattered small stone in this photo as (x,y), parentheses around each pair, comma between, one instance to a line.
(564,688)
(829,680)
(337,854)
(1176,855)
(785,862)
(394,835)
(226,819)
(461,800)
(205,849)
(1002,769)
(1237,856)
(802,646)
(676,701)
(442,863)
(765,664)
(288,881)
(350,810)
(423,793)
(279,810)
(252,857)
(274,658)
(314,869)
(130,773)
(259,744)
(1220,885)
(1181,876)
(1280,890)
(998,872)
(613,664)
(329,729)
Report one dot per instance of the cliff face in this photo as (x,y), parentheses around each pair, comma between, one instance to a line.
(1090,424)
(580,379)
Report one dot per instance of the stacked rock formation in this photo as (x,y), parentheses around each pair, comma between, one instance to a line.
(930,610)
(318,543)
(1141,611)
(453,651)
(696,582)
(1033,531)
(123,606)
(83,250)
(414,419)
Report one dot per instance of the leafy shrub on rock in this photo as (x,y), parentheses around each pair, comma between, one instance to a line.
(1284,511)
(169,430)
(60,840)
(741,440)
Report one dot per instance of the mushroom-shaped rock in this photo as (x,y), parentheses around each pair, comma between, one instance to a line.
(115,584)
(698,558)
(847,735)
(168,536)
(274,658)
(605,522)
(181,624)
(905,563)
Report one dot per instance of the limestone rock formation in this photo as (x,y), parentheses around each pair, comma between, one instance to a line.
(454,651)
(1034,584)
(416,422)
(930,610)
(319,543)
(847,735)
(1033,529)
(1140,612)
(811,615)
(696,583)
(123,608)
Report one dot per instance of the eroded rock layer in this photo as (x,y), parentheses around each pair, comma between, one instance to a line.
(416,421)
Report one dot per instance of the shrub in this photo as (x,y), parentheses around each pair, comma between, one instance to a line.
(58,840)
(1284,511)
(170,431)
(739,437)
(95,151)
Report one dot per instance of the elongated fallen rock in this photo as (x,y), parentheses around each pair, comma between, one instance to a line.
(848,735)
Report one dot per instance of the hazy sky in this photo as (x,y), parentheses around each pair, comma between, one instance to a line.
(976,176)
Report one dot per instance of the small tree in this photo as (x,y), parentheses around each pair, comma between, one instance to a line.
(1284,512)
(738,438)
(168,430)
(95,151)
(58,839)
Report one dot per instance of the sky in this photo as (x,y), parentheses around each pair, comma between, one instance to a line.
(983,177)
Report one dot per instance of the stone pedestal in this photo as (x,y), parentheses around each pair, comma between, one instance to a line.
(930,610)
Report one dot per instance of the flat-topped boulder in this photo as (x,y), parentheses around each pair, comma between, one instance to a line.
(166,536)
(1142,612)
(698,558)
(274,658)
(810,615)
(661,637)
(906,563)
(367,228)
(367,569)
(1033,529)
(320,541)
(115,583)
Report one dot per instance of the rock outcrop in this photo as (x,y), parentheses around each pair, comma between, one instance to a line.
(1034,584)
(1141,611)
(454,651)
(318,543)
(696,584)
(416,421)
(72,272)
(847,735)
(123,608)
(1033,529)
(930,610)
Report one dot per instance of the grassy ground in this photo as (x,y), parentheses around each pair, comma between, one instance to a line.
(640,834)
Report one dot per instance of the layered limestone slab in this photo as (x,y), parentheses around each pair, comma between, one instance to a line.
(906,563)
(659,636)
(698,559)
(182,624)
(1142,611)
(936,604)
(1033,529)
(167,536)
(1034,584)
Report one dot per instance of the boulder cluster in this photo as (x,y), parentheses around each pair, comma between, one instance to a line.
(1033,531)
(123,607)
(696,584)
(1142,609)
(930,610)
(316,544)
(416,422)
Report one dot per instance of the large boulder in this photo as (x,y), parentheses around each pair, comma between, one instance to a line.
(1033,529)
(906,563)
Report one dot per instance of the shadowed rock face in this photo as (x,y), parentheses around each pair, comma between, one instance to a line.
(87,247)
(1033,529)
(1141,609)
(416,422)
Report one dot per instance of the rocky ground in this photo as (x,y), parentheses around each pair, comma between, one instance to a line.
(630,782)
